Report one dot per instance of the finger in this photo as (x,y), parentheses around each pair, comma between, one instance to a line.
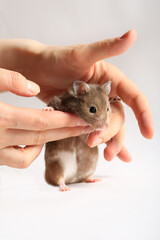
(109,47)
(114,145)
(133,97)
(34,119)
(19,157)
(124,155)
(22,137)
(140,106)
(17,83)
(115,124)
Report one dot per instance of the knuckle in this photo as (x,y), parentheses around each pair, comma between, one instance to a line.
(144,97)
(2,143)
(3,122)
(4,116)
(76,54)
(110,45)
(71,134)
(2,157)
(139,98)
(40,124)
(40,138)
(76,131)
(24,162)
(104,43)
(14,79)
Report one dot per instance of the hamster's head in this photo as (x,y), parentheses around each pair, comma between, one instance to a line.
(93,103)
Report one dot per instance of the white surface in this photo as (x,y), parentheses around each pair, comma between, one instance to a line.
(125,205)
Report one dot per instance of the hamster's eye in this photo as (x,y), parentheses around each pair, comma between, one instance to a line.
(107,109)
(92,109)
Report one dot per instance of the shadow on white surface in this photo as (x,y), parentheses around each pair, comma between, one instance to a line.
(124,205)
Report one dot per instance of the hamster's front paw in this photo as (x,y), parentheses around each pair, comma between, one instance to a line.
(48,109)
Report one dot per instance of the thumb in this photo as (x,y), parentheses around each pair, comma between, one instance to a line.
(110,47)
(17,83)
(19,157)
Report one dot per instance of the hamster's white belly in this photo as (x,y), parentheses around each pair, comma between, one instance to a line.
(69,164)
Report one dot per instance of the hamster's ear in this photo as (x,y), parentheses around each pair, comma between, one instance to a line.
(107,87)
(80,87)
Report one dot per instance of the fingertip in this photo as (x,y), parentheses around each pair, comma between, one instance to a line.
(110,47)
(32,87)
(108,154)
(95,138)
(132,34)
(147,132)
(18,84)
(124,155)
(146,125)
(112,149)
(126,41)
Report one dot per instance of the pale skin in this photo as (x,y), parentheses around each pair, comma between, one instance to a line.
(51,71)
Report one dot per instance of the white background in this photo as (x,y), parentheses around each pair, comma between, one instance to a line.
(125,205)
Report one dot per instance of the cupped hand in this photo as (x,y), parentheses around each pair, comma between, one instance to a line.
(59,67)
(113,136)
(30,127)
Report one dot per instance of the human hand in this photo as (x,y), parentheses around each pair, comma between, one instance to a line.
(84,62)
(56,68)
(30,127)
(113,136)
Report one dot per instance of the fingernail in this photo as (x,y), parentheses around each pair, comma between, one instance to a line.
(33,87)
(132,32)
(97,142)
(124,35)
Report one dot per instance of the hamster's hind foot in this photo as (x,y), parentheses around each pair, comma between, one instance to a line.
(92,180)
(63,187)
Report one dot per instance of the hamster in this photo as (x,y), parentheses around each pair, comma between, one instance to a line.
(71,160)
